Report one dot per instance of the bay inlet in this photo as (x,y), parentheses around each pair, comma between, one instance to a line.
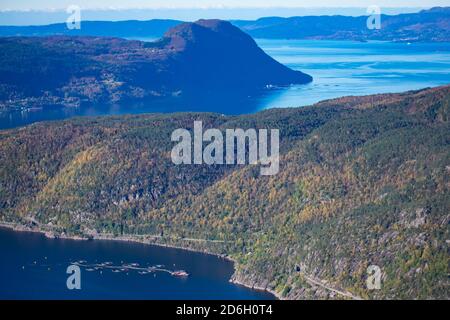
(34,267)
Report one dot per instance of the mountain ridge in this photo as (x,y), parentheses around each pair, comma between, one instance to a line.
(363,181)
(427,25)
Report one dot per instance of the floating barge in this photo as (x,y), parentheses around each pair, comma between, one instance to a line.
(180,273)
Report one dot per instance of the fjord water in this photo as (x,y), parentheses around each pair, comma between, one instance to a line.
(345,68)
(34,267)
(339,68)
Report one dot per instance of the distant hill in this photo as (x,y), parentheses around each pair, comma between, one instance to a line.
(363,181)
(202,57)
(426,25)
(124,29)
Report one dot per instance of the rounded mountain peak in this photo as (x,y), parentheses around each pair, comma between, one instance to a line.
(214,54)
(205,32)
(215,25)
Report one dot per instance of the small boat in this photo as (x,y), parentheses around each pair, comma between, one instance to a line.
(115,271)
(180,273)
(143,272)
(107,263)
(134,264)
(90,270)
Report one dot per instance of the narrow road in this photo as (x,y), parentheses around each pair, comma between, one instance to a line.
(319,283)
(203,240)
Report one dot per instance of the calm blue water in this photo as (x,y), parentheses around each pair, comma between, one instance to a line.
(339,68)
(342,68)
(34,267)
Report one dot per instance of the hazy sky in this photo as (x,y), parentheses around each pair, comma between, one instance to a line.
(208,4)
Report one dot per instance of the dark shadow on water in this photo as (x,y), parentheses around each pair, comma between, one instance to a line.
(229,102)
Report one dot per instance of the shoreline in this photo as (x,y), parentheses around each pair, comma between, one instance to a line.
(50,235)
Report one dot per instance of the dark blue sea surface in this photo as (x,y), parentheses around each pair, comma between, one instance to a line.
(339,68)
(34,267)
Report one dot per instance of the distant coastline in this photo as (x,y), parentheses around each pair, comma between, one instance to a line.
(404,27)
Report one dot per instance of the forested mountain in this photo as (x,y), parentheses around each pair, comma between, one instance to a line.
(426,25)
(362,181)
(202,57)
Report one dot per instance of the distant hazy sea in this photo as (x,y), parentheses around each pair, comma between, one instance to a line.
(339,68)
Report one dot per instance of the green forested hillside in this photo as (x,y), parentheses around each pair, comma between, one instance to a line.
(363,181)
